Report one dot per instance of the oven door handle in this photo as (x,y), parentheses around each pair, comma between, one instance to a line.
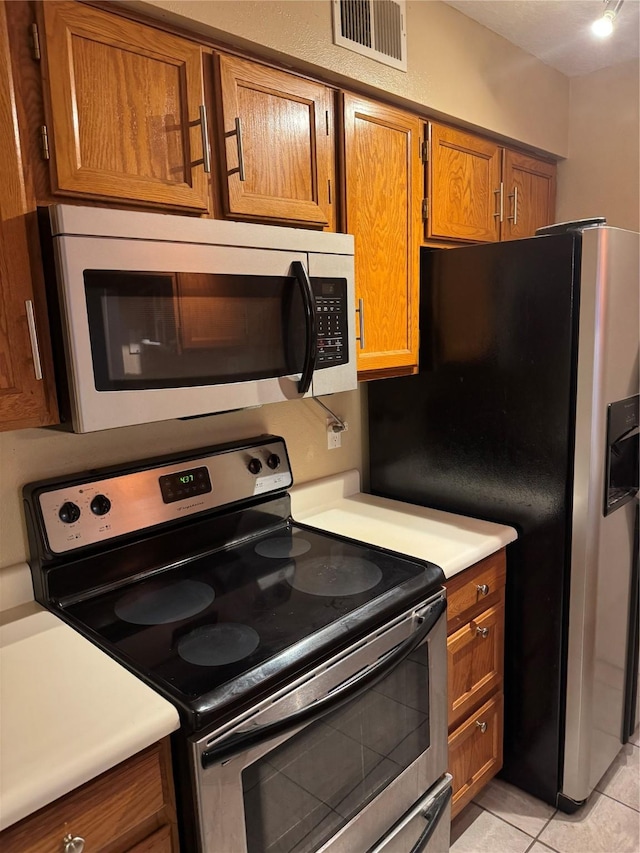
(351,689)
(309,304)
(432,816)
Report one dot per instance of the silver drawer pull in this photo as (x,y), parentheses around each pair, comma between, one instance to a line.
(204,130)
(481,726)
(33,337)
(360,313)
(73,843)
(500,193)
(238,132)
(483,589)
(514,196)
(482,632)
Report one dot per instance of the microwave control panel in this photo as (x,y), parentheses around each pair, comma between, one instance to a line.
(331,313)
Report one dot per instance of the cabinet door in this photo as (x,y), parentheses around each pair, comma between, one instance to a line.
(131,804)
(124,109)
(383,177)
(530,195)
(25,398)
(278,145)
(464,186)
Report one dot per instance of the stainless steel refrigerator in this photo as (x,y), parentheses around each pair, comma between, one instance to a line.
(525,412)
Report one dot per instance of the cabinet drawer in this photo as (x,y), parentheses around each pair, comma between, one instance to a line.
(475,752)
(475,662)
(102,811)
(159,842)
(475,589)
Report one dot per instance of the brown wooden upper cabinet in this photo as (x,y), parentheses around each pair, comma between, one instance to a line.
(277,150)
(481,192)
(464,186)
(125,109)
(383,192)
(27,397)
(530,194)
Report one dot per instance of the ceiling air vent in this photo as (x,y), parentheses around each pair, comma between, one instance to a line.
(374,28)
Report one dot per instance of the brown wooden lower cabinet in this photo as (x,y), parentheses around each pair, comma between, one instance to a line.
(475,651)
(475,752)
(160,842)
(476,654)
(128,809)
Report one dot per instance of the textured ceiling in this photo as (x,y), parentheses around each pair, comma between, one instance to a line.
(558,31)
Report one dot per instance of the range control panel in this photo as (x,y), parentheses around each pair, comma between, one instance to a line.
(331,316)
(96,509)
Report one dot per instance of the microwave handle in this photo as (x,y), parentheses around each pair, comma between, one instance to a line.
(309,303)
(237,743)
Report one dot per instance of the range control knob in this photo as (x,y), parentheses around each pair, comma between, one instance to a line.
(69,512)
(273,461)
(255,465)
(100,505)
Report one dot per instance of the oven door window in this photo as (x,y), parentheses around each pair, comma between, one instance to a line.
(300,794)
(157,330)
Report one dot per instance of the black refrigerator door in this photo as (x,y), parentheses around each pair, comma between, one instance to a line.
(486,430)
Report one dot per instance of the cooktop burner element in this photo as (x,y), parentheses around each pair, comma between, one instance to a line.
(217,597)
(164,603)
(335,575)
(282,546)
(218,645)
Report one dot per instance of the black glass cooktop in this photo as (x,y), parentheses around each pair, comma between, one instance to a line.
(193,631)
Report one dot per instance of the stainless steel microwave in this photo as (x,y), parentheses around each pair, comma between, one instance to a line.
(161,316)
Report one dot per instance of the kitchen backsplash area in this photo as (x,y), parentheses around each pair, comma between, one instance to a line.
(27,455)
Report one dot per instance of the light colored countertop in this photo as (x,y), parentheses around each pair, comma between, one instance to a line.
(69,712)
(453,542)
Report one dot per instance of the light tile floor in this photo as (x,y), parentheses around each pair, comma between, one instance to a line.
(504,819)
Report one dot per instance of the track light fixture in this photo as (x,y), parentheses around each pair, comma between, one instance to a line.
(603,27)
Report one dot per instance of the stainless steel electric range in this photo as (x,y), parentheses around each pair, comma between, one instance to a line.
(309,670)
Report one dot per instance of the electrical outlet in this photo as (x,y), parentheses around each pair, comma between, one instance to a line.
(334,437)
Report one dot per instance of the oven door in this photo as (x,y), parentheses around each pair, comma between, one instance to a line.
(331,762)
(424,829)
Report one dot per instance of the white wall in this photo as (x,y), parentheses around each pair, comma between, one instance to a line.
(35,454)
(456,67)
(601,176)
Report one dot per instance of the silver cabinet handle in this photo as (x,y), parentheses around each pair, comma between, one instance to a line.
(500,193)
(482,632)
(33,336)
(483,589)
(514,196)
(73,844)
(241,173)
(360,313)
(482,726)
(204,130)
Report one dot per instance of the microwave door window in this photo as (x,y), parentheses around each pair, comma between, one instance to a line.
(132,328)
(151,330)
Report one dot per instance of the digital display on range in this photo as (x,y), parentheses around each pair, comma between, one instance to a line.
(184,484)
